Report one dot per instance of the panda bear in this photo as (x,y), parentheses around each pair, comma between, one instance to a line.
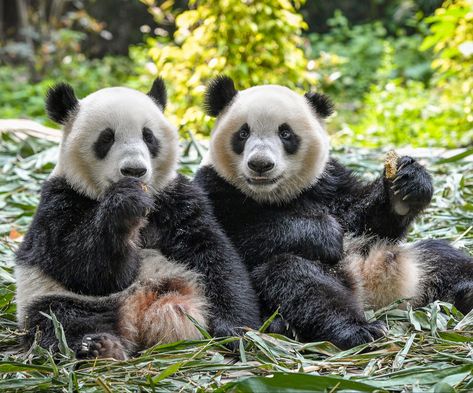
(124,251)
(320,243)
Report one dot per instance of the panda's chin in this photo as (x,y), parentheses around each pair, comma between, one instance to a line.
(262,181)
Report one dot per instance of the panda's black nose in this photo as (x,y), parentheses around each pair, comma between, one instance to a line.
(260,165)
(133,172)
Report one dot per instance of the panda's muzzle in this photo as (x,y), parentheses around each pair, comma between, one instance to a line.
(260,165)
(133,171)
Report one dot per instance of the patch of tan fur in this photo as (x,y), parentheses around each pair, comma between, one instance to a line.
(389,272)
(156,309)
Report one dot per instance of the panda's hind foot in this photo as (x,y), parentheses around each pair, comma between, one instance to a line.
(361,334)
(101,345)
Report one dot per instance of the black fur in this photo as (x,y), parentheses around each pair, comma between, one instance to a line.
(289,139)
(79,318)
(313,300)
(185,230)
(239,139)
(158,93)
(220,92)
(289,247)
(151,142)
(61,102)
(86,246)
(104,143)
(449,274)
(322,104)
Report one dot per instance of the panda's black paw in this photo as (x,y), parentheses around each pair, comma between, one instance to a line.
(101,345)
(412,185)
(129,198)
(225,329)
(361,334)
(280,326)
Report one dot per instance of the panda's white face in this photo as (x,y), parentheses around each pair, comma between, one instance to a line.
(269,143)
(117,132)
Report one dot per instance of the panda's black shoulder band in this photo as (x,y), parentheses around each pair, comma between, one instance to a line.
(158,92)
(322,104)
(61,102)
(220,92)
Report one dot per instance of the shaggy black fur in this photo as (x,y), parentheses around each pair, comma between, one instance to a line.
(88,246)
(322,104)
(289,247)
(80,318)
(61,102)
(183,227)
(158,92)
(85,244)
(449,274)
(220,92)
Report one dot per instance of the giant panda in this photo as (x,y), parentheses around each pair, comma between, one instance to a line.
(321,244)
(124,251)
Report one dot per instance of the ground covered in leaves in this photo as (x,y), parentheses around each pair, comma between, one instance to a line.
(428,349)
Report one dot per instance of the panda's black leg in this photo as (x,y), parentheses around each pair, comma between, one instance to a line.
(463,296)
(101,345)
(447,274)
(89,326)
(316,304)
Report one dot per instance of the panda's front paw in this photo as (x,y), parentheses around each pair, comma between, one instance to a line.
(361,334)
(223,328)
(129,198)
(101,345)
(412,187)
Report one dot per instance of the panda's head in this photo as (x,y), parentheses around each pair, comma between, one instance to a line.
(113,133)
(268,141)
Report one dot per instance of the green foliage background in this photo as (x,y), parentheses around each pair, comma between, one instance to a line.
(409,85)
(395,82)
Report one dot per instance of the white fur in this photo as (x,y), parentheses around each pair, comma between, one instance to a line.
(126,112)
(264,109)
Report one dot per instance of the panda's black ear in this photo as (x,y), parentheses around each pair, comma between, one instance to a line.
(61,101)
(220,92)
(322,105)
(158,92)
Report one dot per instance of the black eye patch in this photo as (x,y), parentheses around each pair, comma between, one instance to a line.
(151,142)
(239,139)
(104,143)
(289,139)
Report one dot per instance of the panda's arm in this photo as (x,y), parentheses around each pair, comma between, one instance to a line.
(187,232)
(314,239)
(82,243)
(376,208)
(317,236)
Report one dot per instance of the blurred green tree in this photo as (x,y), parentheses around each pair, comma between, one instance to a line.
(401,111)
(254,42)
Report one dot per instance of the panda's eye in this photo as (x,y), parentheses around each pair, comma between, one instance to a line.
(148,136)
(104,143)
(107,136)
(244,132)
(285,132)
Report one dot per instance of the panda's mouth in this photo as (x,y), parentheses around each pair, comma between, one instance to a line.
(261,181)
